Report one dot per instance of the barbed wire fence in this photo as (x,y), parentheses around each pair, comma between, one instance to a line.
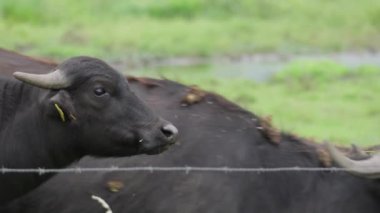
(185,169)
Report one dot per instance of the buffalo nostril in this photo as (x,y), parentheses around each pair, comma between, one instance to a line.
(170,131)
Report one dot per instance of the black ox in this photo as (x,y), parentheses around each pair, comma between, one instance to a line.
(214,133)
(83,107)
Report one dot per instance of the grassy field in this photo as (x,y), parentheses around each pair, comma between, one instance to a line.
(319,99)
(161,28)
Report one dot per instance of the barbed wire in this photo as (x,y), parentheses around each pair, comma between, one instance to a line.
(186,169)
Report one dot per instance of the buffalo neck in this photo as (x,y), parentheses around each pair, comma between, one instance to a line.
(26,128)
(39,141)
(31,139)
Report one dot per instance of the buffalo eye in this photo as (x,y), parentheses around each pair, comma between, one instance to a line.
(99,91)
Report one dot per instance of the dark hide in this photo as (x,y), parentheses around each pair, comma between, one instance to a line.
(214,132)
(33,135)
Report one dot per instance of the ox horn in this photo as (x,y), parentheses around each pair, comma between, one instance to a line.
(53,80)
(369,168)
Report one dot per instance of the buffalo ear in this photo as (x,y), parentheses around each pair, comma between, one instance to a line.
(62,106)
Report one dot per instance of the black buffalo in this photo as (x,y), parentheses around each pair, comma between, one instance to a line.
(83,107)
(214,133)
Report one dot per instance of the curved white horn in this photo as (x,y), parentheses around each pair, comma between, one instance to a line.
(369,168)
(53,80)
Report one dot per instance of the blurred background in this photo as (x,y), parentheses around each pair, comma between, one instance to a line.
(313,65)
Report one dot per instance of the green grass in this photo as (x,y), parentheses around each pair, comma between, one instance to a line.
(338,104)
(162,28)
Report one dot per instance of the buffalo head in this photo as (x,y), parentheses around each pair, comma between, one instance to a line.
(94,103)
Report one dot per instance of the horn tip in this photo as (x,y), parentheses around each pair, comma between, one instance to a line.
(18,75)
(328,145)
(330,148)
(15,74)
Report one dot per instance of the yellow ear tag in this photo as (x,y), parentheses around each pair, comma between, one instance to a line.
(60,112)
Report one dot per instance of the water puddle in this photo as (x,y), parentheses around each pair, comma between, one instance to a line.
(256,67)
